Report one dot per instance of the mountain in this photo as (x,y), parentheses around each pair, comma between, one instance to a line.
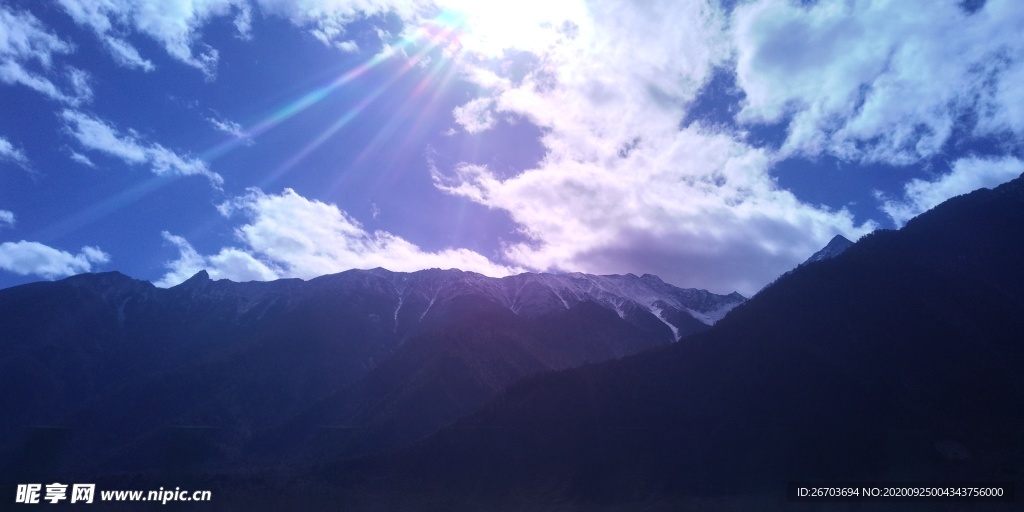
(835,247)
(104,373)
(900,361)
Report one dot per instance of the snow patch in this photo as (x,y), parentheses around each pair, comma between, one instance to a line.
(658,313)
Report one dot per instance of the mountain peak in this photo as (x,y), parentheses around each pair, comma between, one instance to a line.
(651,278)
(202,275)
(835,247)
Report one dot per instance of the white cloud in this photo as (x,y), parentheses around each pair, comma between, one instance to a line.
(95,134)
(622,71)
(231,128)
(26,44)
(6,218)
(878,81)
(1004,109)
(13,73)
(698,210)
(476,115)
(485,78)
(288,235)
(172,23)
(176,24)
(34,258)
(82,159)
(229,263)
(9,152)
(967,175)
(25,38)
(80,84)
(243,21)
(126,54)
(622,188)
(326,20)
(347,46)
(490,29)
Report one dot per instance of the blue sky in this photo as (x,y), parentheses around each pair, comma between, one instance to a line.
(716,144)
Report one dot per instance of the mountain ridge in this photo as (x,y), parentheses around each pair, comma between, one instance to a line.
(905,365)
(646,292)
(274,360)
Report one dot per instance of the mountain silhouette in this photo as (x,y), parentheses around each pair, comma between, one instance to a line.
(102,373)
(899,360)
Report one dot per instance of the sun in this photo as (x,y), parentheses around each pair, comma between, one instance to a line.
(492,28)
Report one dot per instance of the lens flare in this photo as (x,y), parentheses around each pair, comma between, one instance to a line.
(430,34)
(435,40)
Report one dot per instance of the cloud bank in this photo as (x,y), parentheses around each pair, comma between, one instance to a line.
(288,235)
(34,258)
(622,186)
(879,81)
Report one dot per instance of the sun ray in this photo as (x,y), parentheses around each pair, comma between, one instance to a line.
(429,33)
(102,209)
(438,76)
(435,41)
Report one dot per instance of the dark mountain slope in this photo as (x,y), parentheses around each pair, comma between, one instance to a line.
(115,362)
(103,373)
(439,376)
(899,360)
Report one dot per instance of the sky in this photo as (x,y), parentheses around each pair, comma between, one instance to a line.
(716,144)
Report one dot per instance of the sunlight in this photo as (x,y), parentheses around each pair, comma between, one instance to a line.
(491,28)
(413,108)
(484,29)
(465,26)
(434,41)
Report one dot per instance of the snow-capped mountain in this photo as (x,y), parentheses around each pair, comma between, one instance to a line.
(414,296)
(835,247)
(537,294)
(395,354)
